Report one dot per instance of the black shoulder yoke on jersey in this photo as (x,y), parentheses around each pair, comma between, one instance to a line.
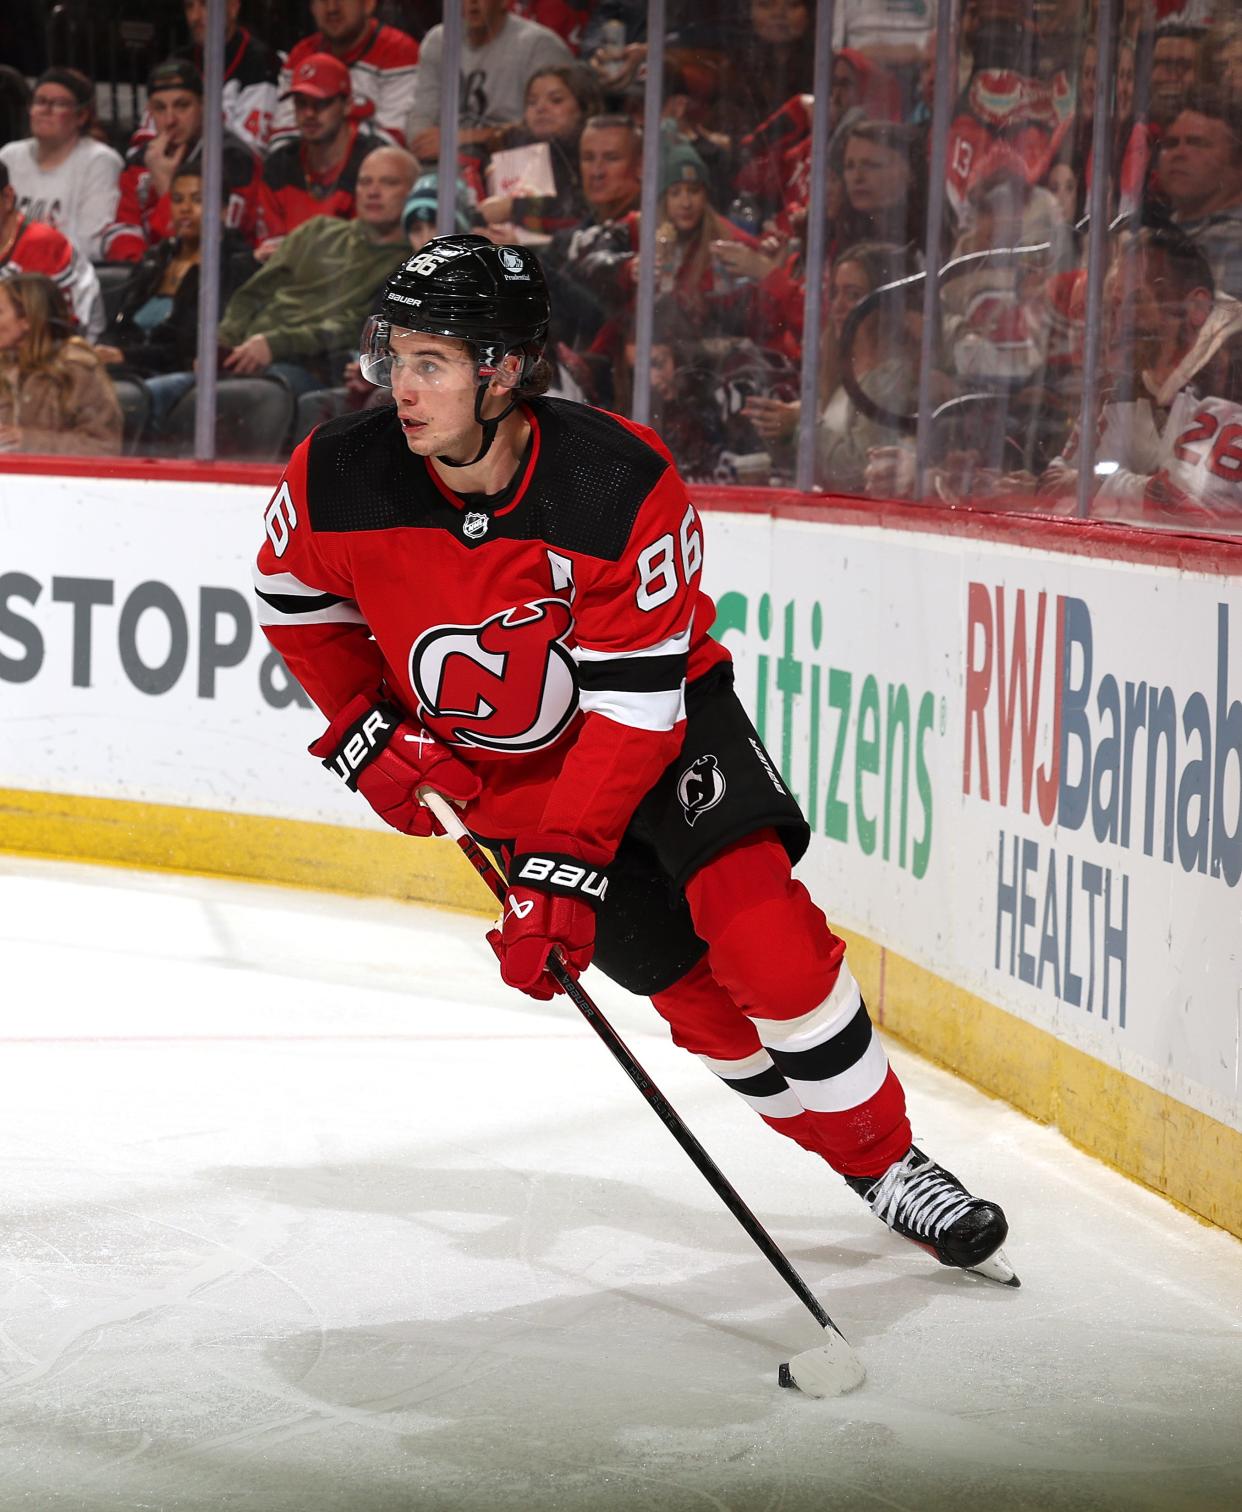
(589,481)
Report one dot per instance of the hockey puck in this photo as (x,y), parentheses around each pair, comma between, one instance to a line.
(784,1378)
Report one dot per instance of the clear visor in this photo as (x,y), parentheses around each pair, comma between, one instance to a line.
(422,360)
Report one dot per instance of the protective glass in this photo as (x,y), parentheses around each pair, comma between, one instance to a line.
(387,349)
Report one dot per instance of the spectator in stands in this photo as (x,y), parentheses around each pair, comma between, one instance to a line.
(250,72)
(774,61)
(316,172)
(892,33)
(155,330)
(694,242)
(302,311)
(559,100)
(29,246)
(382,63)
(1174,70)
(589,266)
(1164,324)
(1200,174)
(684,408)
(55,395)
(61,173)
(567,18)
(881,360)
(1226,51)
(423,207)
(885,198)
(500,52)
(144,214)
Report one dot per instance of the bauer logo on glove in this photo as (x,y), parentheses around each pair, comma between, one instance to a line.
(564,876)
(386,757)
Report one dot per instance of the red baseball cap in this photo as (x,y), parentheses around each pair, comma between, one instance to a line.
(321,76)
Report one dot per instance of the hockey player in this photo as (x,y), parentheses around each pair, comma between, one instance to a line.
(496,594)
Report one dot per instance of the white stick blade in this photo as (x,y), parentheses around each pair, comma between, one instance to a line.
(831,1370)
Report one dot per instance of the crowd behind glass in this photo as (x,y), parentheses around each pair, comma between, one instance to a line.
(331,170)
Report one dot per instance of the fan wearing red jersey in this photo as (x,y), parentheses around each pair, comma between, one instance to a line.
(497,594)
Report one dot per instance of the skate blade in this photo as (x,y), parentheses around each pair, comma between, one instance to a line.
(996,1268)
(830,1370)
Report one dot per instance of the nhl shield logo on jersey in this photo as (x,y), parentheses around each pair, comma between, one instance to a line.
(474,526)
(700,787)
(508,684)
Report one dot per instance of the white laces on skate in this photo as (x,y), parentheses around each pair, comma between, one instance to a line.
(916,1192)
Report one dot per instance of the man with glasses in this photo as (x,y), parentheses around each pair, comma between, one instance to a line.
(61,175)
(316,172)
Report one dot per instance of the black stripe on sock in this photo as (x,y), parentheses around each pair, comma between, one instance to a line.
(845,1049)
(769,1083)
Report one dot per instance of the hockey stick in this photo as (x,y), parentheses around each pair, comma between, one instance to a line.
(827,1370)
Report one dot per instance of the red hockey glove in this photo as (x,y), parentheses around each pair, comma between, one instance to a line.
(377,752)
(555,886)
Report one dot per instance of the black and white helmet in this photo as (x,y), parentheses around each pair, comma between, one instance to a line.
(467,288)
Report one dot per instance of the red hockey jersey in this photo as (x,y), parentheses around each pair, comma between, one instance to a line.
(546,636)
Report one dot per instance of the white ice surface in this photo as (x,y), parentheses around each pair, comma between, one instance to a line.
(303,1210)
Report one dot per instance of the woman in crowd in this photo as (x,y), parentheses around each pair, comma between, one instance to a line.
(62,174)
(156,328)
(694,242)
(55,395)
(559,100)
(883,362)
(885,197)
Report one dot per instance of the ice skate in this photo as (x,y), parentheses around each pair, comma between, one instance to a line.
(928,1205)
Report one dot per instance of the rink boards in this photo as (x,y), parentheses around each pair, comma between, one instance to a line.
(1021,759)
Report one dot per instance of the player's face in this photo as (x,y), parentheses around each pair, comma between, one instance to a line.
(552,108)
(434,380)
(13,324)
(342,21)
(177,114)
(686,204)
(319,120)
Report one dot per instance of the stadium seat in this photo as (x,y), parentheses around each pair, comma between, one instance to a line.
(135,400)
(114,279)
(253,419)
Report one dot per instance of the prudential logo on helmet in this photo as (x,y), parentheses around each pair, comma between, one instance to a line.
(513,263)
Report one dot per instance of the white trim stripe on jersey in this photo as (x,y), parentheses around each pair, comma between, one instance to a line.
(641,711)
(285,600)
(675,645)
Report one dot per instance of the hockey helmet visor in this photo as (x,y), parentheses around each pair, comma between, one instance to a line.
(466,289)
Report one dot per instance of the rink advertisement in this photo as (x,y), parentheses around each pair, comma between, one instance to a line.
(1022,767)
(1023,770)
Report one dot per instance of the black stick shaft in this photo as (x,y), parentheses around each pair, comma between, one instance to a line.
(662,1108)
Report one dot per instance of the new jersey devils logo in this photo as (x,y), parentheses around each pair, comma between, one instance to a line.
(700,787)
(505,685)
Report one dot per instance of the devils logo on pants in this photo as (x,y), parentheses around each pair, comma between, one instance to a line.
(505,685)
